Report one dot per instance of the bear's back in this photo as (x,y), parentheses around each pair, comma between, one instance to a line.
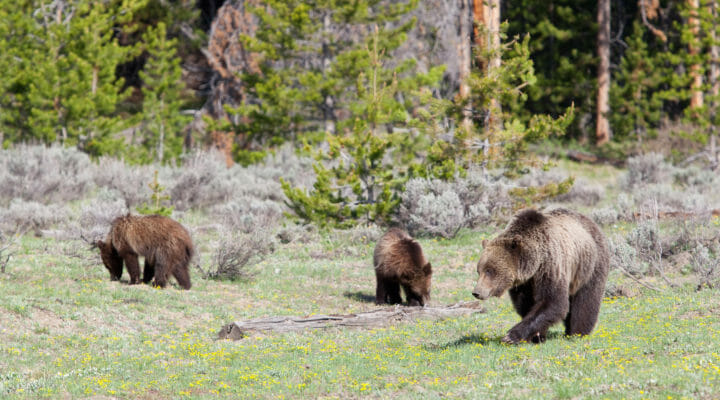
(146,234)
(579,247)
(397,253)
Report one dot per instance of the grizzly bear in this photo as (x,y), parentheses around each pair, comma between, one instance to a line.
(554,266)
(399,261)
(165,244)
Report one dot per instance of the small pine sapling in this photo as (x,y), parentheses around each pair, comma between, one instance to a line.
(157,197)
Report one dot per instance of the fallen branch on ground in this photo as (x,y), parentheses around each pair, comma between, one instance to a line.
(371,319)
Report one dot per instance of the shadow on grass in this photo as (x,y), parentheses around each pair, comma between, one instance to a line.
(464,341)
(484,340)
(360,296)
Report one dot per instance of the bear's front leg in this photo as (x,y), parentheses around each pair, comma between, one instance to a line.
(534,326)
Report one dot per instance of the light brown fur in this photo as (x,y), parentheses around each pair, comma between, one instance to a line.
(554,265)
(399,261)
(165,244)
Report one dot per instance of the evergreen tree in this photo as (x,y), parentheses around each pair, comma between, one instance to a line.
(64,85)
(635,103)
(563,50)
(298,85)
(359,178)
(492,146)
(162,88)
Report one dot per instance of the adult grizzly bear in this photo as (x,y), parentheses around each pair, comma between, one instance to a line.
(399,261)
(555,266)
(165,244)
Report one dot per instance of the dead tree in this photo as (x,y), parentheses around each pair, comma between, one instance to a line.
(366,320)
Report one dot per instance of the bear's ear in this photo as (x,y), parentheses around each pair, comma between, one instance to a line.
(99,244)
(514,243)
(427,269)
(484,243)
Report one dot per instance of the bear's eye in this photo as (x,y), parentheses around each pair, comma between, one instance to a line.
(489,273)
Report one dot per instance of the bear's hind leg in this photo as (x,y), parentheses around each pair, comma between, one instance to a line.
(585,307)
(182,276)
(380,291)
(392,289)
(148,271)
(133,267)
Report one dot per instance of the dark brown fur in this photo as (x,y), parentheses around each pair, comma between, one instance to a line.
(165,244)
(554,266)
(399,261)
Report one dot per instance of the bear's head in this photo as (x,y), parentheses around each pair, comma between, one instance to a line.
(498,267)
(112,260)
(419,285)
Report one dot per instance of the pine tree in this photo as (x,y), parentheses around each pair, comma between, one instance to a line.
(298,86)
(64,86)
(504,146)
(369,160)
(635,104)
(162,88)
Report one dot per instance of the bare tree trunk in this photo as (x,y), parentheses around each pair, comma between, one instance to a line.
(602,128)
(714,86)
(487,13)
(464,51)
(714,55)
(696,98)
(368,320)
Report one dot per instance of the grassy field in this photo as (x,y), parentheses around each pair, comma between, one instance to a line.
(67,331)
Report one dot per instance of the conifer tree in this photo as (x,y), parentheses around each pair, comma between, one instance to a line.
(359,178)
(298,85)
(64,85)
(635,103)
(162,88)
(506,146)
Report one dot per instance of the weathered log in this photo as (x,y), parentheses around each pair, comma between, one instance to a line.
(580,156)
(371,319)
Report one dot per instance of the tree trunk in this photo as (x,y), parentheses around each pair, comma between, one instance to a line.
(487,13)
(368,320)
(464,51)
(696,98)
(602,129)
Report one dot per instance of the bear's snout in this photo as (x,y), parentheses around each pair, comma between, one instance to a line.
(476,294)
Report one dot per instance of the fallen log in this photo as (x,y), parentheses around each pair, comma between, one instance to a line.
(370,319)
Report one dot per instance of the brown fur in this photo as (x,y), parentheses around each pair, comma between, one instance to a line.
(554,266)
(399,261)
(165,244)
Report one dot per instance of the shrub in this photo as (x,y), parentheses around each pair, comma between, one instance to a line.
(604,216)
(201,181)
(297,233)
(97,216)
(625,257)
(129,182)
(435,207)
(645,169)
(247,214)
(236,253)
(23,216)
(706,265)
(584,193)
(44,174)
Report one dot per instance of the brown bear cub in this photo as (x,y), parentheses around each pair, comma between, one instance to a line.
(399,261)
(554,265)
(165,244)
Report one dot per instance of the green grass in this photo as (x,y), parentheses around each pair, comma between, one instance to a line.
(67,331)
